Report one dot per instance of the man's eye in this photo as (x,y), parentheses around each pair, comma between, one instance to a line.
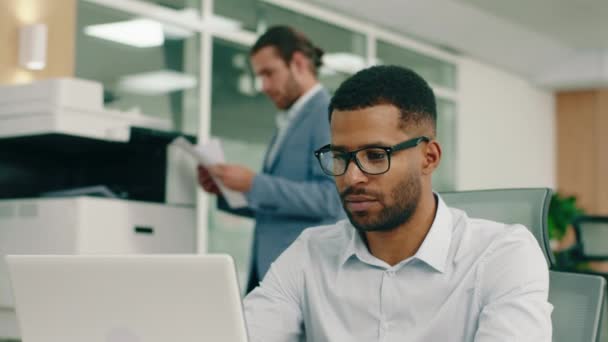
(375,155)
(338,155)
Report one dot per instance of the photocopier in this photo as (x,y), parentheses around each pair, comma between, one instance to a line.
(76,178)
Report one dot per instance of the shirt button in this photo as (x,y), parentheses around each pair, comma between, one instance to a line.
(390,273)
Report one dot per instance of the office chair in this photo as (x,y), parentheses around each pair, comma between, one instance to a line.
(577,299)
(592,237)
(592,245)
(524,206)
(577,306)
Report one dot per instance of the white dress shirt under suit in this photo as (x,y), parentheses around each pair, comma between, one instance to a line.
(470,280)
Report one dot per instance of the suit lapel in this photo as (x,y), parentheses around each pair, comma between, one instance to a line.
(301,116)
(265,167)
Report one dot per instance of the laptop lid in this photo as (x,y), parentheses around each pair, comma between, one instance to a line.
(134,298)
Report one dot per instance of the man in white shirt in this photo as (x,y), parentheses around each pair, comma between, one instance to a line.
(404,266)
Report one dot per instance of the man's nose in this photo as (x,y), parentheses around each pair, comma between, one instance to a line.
(265,86)
(353,174)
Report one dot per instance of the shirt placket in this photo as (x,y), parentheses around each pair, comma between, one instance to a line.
(386,298)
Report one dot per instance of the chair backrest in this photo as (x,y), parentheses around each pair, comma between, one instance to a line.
(577,306)
(592,236)
(529,207)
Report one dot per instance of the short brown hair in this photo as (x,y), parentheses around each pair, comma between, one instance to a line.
(287,40)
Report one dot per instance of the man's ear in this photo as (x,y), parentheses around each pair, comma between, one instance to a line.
(300,62)
(432,157)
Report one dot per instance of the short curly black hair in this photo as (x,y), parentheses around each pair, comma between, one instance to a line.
(388,84)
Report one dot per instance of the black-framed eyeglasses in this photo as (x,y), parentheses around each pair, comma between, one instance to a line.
(373,160)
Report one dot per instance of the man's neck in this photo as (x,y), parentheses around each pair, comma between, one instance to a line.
(308,86)
(401,243)
(305,91)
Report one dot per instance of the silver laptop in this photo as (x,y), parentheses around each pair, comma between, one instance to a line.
(134,298)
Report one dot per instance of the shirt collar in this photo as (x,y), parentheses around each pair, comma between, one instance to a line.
(436,245)
(300,102)
(351,246)
(433,251)
(357,247)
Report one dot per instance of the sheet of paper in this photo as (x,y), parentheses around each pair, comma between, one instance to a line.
(210,154)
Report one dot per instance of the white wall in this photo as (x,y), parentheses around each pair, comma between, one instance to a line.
(506,130)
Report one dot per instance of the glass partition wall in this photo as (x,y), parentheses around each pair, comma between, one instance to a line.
(184,66)
(147,67)
(244,120)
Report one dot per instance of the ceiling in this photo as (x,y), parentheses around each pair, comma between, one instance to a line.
(578,24)
(558,44)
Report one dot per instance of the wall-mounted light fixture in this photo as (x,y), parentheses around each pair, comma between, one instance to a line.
(32,46)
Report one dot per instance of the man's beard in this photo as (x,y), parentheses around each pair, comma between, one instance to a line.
(293,91)
(404,196)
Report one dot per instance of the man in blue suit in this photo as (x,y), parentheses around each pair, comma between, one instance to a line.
(292,192)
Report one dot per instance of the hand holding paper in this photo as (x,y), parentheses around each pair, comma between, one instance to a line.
(206,181)
(209,155)
(234,177)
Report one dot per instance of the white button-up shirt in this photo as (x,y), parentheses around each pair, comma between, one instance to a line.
(470,280)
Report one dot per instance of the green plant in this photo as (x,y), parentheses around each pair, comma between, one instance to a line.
(562,211)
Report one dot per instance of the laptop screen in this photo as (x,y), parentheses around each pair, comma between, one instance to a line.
(127,298)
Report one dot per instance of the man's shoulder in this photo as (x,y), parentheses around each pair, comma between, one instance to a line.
(324,244)
(508,261)
(478,237)
(318,104)
(321,96)
(322,234)
(487,229)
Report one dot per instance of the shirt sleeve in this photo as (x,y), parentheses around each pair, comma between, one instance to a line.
(273,311)
(222,204)
(513,286)
(315,199)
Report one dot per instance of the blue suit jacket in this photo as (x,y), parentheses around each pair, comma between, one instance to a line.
(292,193)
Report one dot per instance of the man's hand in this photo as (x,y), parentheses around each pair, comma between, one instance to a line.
(206,182)
(234,177)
